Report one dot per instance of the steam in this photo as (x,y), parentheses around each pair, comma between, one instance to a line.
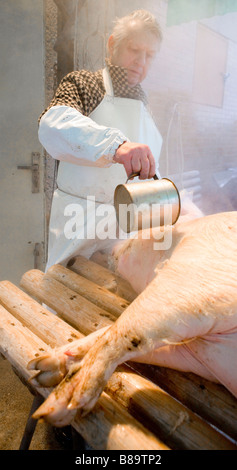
(191,90)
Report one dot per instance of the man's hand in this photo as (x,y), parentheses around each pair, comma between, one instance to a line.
(136,158)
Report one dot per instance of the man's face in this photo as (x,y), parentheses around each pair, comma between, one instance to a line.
(136,54)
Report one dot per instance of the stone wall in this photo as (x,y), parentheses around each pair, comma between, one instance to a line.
(50,28)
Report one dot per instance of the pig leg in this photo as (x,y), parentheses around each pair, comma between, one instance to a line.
(53,366)
(54,409)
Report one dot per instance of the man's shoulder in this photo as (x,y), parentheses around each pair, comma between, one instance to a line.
(84,77)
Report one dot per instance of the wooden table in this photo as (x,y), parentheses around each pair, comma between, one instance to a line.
(142,407)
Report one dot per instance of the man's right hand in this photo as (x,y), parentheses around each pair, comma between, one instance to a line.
(136,158)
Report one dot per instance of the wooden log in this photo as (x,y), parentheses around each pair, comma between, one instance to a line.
(103,277)
(209,400)
(119,432)
(18,344)
(207,439)
(51,329)
(109,426)
(72,307)
(89,290)
(176,425)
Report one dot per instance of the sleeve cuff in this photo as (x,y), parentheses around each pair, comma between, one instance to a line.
(108,158)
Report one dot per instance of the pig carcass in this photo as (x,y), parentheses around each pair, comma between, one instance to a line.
(185,317)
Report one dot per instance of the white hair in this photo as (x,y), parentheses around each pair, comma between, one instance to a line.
(143,18)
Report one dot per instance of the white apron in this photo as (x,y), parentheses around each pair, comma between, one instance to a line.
(74,228)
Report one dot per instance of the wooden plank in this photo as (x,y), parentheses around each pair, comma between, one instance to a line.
(89,290)
(103,277)
(208,438)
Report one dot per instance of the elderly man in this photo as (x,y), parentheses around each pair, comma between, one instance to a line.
(99,128)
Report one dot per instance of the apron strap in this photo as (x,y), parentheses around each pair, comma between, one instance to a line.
(108,82)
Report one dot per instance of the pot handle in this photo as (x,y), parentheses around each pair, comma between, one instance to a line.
(155,177)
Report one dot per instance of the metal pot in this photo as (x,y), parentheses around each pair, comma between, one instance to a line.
(146,204)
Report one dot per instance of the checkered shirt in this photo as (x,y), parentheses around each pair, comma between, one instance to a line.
(84,90)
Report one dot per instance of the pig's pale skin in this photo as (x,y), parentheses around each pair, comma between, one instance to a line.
(185,317)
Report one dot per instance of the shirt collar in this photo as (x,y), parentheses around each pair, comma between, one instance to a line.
(120,84)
